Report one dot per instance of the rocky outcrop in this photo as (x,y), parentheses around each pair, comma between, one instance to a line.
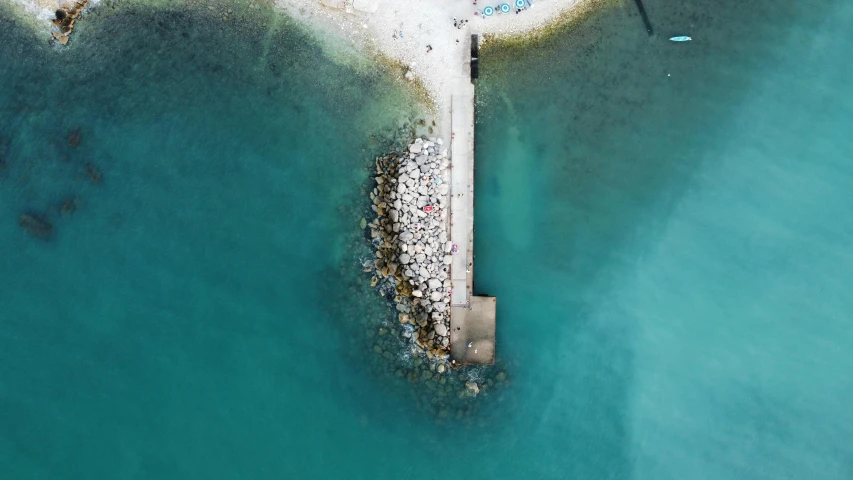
(66,16)
(410,233)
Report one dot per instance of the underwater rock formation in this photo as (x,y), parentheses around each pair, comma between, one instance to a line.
(94,174)
(5,142)
(36,225)
(68,206)
(74,137)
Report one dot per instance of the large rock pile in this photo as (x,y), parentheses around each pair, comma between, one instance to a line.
(410,233)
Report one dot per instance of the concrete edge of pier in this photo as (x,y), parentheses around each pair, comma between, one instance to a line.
(472,318)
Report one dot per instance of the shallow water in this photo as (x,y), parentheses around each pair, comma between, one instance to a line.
(664,226)
(669,254)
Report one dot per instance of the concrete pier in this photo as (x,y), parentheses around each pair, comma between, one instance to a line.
(472,338)
(472,318)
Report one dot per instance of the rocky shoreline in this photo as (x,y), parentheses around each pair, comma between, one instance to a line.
(409,233)
(66,16)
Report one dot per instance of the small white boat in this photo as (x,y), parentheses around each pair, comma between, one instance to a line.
(680,39)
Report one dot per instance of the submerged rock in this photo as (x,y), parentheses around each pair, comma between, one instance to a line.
(5,144)
(74,138)
(68,206)
(94,173)
(36,225)
(472,388)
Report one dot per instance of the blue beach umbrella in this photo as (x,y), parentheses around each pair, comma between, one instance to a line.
(519,3)
(504,8)
(488,11)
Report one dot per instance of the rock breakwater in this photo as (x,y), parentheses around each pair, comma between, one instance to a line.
(413,253)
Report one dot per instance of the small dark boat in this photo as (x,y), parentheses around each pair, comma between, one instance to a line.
(35,225)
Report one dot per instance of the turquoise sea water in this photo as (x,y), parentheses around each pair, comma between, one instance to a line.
(666,228)
(670,254)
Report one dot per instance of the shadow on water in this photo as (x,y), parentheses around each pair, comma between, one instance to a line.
(586,142)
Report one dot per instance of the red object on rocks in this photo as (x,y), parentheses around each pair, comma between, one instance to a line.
(428,208)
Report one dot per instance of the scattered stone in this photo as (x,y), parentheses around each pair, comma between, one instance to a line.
(472,388)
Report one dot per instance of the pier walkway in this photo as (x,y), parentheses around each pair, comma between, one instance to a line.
(472,318)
